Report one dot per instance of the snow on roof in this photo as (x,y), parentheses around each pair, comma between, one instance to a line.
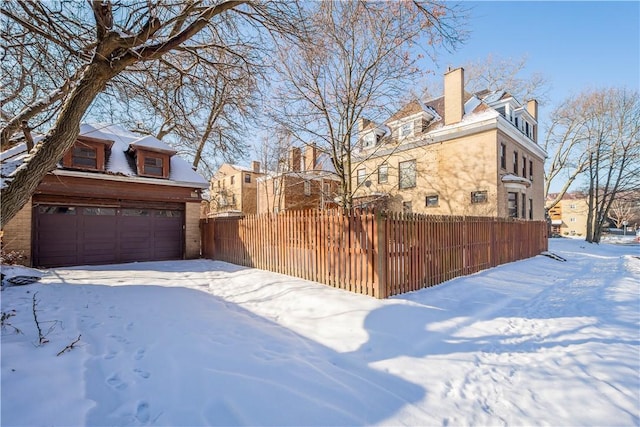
(150,142)
(241,168)
(471,105)
(493,96)
(118,163)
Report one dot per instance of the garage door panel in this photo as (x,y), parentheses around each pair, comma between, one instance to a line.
(73,235)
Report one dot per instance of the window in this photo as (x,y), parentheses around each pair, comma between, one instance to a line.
(84,156)
(362,174)
(136,212)
(406,207)
(572,219)
(524,167)
(503,156)
(515,163)
(99,211)
(406,129)
(431,201)
(512,205)
(530,208)
(307,188)
(368,140)
(407,174)
(233,179)
(526,129)
(524,206)
(383,174)
(52,210)
(247,178)
(531,170)
(517,122)
(152,166)
(479,197)
(168,214)
(572,206)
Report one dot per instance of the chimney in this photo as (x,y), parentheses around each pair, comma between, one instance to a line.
(532,108)
(294,159)
(362,123)
(453,96)
(310,157)
(255,166)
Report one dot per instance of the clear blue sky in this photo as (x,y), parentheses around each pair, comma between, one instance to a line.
(576,45)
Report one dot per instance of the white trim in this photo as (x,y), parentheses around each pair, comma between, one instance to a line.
(123,178)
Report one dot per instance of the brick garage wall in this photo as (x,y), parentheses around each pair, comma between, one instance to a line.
(16,235)
(192,230)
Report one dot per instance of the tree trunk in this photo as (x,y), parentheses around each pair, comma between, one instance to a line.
(48,152)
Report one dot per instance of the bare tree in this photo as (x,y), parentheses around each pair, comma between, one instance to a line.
(566,143)
(497,73)
(613,129)
(357,61)
(621,211)
(202,113)
(108,38)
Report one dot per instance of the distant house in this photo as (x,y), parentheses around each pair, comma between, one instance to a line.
(114,197)
(309,182)
(569,216)
(232,190)
(458,154)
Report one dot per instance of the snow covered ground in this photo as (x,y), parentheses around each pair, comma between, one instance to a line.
(536,342)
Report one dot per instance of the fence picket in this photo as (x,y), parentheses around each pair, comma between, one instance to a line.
(371,253)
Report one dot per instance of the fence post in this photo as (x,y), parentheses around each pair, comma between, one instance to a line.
(380,255)
(207,237)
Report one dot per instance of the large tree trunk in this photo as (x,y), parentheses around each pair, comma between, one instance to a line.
(48,152)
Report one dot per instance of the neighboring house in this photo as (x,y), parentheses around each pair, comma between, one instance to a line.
(459,154)
(308,183)
(569,216)
(114,197)
(232,190)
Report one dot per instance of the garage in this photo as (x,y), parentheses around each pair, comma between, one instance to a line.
(83,235)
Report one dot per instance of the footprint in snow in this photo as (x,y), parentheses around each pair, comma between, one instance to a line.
(142,412)
(115,382)
(141,373)
(139,354)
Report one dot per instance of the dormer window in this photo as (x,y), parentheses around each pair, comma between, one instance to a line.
(84,157)
(369,140)
(406,130)
(87,154)
(152,157)
(153,166)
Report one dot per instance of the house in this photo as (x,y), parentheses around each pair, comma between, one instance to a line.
(308,182)
(569,215)
(459,154)
(114,197)
(232,190)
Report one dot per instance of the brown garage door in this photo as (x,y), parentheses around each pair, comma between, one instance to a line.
(80,235)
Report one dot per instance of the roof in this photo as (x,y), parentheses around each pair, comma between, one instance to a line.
(118,161)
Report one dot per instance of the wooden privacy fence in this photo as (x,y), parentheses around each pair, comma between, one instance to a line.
(376,254)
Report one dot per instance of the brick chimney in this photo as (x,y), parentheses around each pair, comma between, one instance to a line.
(453,96)
(532,108)
(310,157)
(362,123)
(255,166)
(294,159)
